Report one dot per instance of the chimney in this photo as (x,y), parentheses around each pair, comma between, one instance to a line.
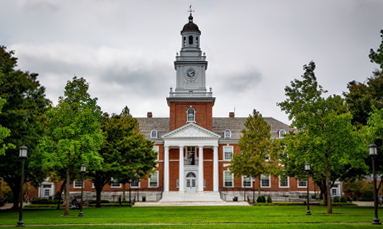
(150,115)
(231,114)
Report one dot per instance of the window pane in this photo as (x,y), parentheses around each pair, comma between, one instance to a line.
(191,115)
(302,183)
(228,179)
(46,192)
(154,179)
(284,182)
(265,181)
(135,183)
(246,181)
(77,184)
(228,152)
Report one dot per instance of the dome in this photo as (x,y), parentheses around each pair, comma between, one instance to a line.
(190,25)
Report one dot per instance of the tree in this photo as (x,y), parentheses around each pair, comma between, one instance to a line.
(74,135)
(4,132)
(325,137)
(257,156)
(23,115)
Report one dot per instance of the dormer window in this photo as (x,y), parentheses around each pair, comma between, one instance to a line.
(153,134)
(227,134)
(282,133)
(191,115)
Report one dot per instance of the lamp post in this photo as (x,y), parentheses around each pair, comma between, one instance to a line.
(130,191)
(373,154)
(23,154)
(83,169)
(307,169)
(253,191)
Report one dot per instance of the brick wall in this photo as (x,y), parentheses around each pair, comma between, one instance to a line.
(203,115)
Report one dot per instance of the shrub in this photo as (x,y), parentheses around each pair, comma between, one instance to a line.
(261,199)
(10,197)
(269,200)
(44,201)
(343,199)
(367,196)
(336,199)
(354,197)
(102,201)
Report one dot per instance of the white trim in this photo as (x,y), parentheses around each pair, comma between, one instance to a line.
(139,184)
(111,183)
(288,182)
(224,133)
(232,152)
(301,186)
(74,182)
(281,135)
(269,182)
(187,114)
(155,172)
(151,134)
(232,178)
(93,184)
(251,182)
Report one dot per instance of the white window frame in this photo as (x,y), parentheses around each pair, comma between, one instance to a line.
(187,115)
(282,133)
(114,186)
(156,134)
(93,184)
(288,182)
(332,191)
(138,186)
(157,149)
(262,186)
(45,192)
(227,131)
(243,180)
(156,172)
(74,184)
(232,152)
(300,186)
(232,178)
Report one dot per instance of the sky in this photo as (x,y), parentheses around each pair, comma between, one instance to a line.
(126,49)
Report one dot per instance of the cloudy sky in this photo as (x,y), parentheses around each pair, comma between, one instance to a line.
(126,49)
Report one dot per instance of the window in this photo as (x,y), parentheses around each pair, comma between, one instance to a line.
(227,134)
(246,181)
(227,153)
(333,192)
(191,115)
(190,40)
(282,133)
(157,149)
(265,181)
(135,184)
(77,184)
(46,192)
(284,182)
(114,183)
(178,183)
(153,180)
(228,179)
(153,134)
(302,184)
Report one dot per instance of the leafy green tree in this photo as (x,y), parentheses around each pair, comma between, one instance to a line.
(325,137)
(257,156)
(4,132)
(23,115)
(74,135)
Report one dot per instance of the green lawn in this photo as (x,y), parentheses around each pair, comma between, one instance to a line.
(201,217)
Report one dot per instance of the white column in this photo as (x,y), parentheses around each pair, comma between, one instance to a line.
(215,169)
(166,169)
(200,169)
(181,172)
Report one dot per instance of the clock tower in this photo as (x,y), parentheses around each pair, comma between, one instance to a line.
(190,90)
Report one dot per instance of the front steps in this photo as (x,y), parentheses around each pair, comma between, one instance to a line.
(189,203)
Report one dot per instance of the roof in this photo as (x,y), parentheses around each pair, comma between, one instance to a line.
(235,125)
(190,25)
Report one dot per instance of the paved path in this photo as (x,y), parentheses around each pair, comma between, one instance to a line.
(364,203)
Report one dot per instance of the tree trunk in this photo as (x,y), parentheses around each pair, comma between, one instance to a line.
(61,191)
(324,194)
(66,213)
(123,191)
(98,197)
(259,185)
(329,204)
(16,193)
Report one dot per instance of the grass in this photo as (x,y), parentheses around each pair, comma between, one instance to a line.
(201,217)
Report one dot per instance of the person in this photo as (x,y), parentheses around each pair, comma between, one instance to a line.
(26,197)
(73,205)
(119,200)
(380,199)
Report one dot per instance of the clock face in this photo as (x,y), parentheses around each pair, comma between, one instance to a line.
(190,72)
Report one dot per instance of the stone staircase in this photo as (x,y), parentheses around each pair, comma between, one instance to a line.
(190,199)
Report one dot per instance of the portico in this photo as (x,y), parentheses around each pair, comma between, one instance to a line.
(196,146)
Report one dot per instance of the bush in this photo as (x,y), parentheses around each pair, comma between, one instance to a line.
(261,199)
(367,196)
(269,200)
(44,201)
(354,197)
(343,199)
(335,199)
(10,197)
(102,201)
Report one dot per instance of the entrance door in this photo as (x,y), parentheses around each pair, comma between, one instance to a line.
(191,182)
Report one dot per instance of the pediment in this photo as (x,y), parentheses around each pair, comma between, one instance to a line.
(191,131)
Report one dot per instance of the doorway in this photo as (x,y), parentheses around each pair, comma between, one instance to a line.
(191,181)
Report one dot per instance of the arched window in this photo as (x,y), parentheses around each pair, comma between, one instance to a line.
(190,174)
(282,133)
(227,134)
(153,134)
(191,115)
(190,40)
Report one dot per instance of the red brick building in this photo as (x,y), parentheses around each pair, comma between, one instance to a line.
(194,148)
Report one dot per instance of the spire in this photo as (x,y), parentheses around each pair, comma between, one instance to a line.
(191,16)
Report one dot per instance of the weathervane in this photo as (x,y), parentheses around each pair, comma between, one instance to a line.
(190,10)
